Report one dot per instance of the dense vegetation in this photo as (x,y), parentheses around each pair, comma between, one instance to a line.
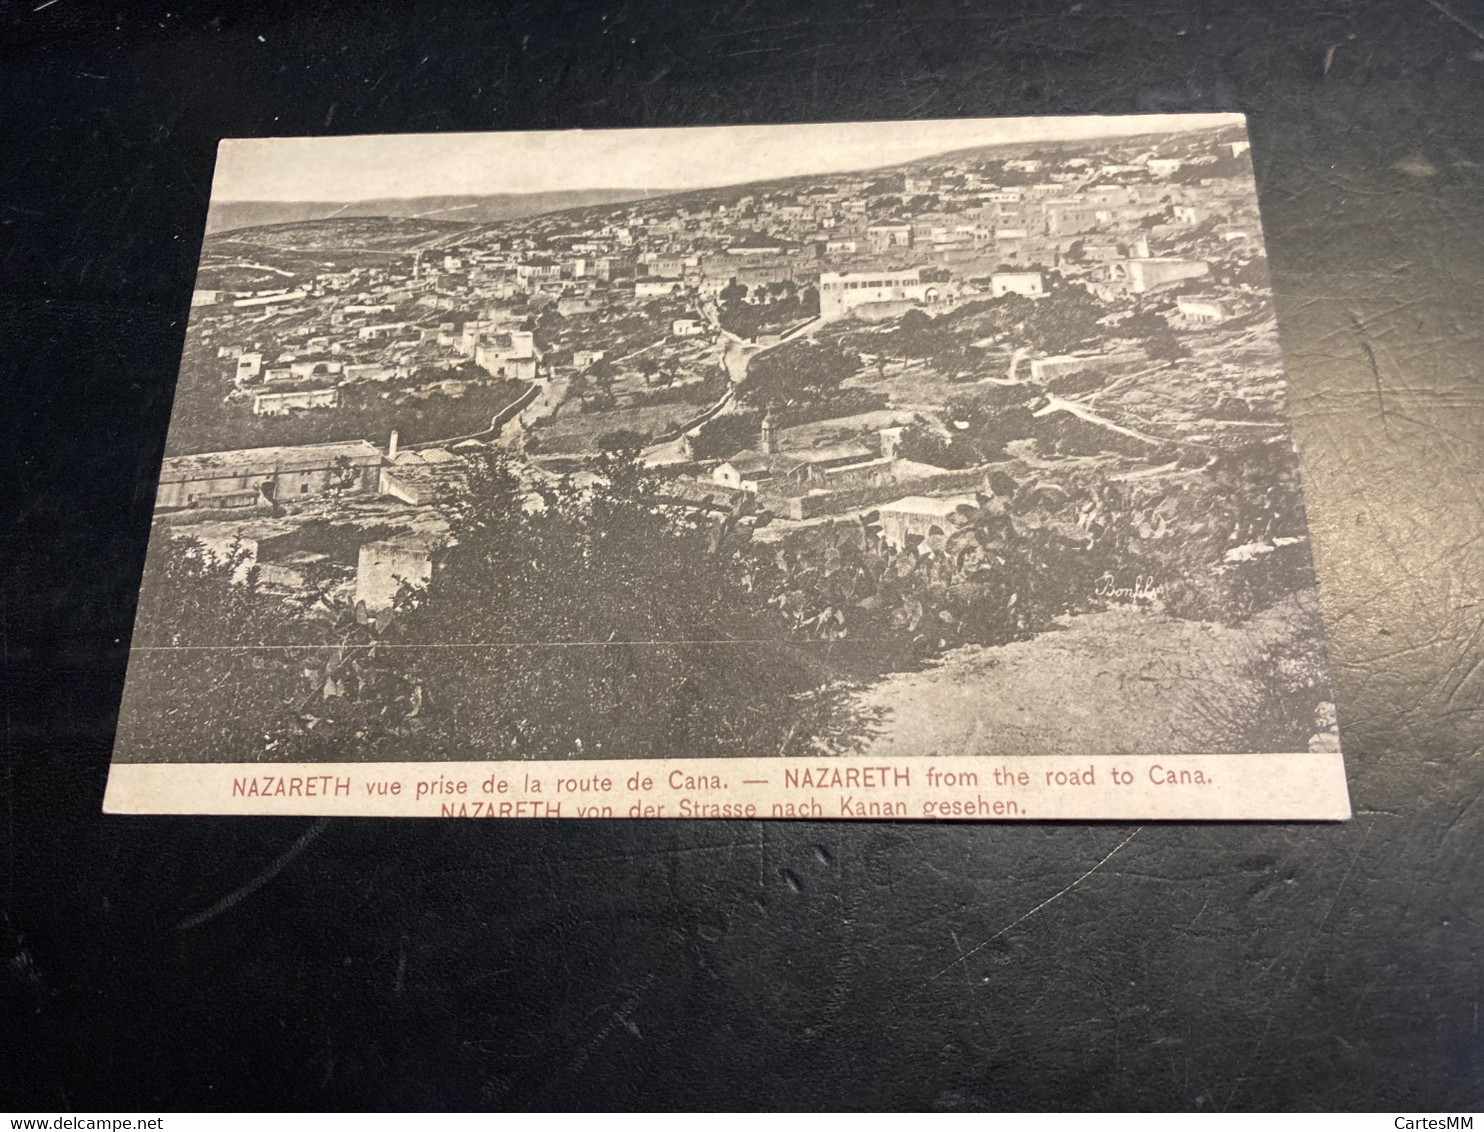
(676,631)
(798,374)
(659,645)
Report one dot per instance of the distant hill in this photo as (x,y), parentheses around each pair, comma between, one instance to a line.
(1012,149)
(364,233)
(226,216)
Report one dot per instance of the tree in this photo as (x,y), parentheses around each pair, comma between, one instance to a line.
(928,447)
(919,335)
(1159,340)
(548,327)
(797,373)
(732,293)
(600,376)
(725,435)
(1062,320)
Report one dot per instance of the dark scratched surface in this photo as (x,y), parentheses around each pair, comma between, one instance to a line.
(201,963)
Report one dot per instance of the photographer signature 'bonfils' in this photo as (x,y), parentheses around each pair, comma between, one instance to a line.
(1143,589)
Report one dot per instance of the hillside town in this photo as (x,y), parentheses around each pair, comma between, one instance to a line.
(812,343)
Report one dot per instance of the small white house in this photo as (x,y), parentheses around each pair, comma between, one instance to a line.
(282,404)
(1026,283)
(1201,310)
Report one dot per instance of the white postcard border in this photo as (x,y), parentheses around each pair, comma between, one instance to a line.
(1245,787)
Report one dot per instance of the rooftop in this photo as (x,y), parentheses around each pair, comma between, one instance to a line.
(753,460)
(926,505)
(262,461)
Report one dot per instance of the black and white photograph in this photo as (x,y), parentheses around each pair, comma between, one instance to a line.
(896,469)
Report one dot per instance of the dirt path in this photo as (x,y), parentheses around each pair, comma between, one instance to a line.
(1055,404)
(1124,681)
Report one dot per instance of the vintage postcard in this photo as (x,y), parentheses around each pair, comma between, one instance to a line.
(908,470)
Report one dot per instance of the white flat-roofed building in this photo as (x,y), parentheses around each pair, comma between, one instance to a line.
(249,476)
(509,354)
(882,237)
(840,293)
(249,367)
(538,271)
(380,331)
(270,300)
(382,568)
(1026,283)
(922,515)
(282,404)
(1152,274)
(375,371)
(1201,309)
(657,287)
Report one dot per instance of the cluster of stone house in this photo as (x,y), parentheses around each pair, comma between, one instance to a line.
(258,478)
(1091,217)
(234,494)
(778,470)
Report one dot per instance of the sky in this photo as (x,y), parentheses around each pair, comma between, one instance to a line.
(371,166)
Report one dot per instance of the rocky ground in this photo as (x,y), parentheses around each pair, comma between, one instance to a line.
(1127,680)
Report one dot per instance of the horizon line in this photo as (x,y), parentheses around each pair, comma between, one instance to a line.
(481,196)
(230,155)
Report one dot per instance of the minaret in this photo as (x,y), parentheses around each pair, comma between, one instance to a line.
(767,438)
